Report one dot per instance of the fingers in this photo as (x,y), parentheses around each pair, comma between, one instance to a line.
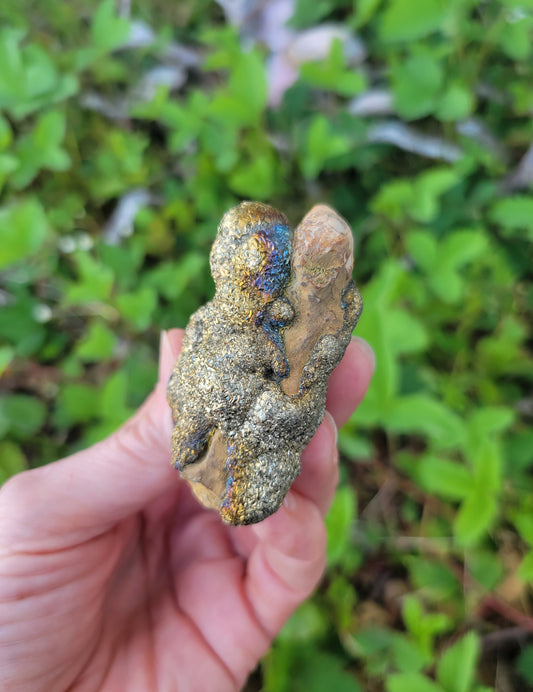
(78,497)
(211,594)
(317,481)
(347,386)
(169,350)
(288,549)
(350,379)
(287,561)
(320,471)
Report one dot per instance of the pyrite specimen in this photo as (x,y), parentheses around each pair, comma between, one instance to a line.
(249,388)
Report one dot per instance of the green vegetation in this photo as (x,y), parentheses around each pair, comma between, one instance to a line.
(117,159)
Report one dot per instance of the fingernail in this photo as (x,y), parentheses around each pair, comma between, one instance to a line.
(289,502)
(332,425)
(367,349)
(165,351)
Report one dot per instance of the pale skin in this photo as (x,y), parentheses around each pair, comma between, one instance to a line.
(112,577)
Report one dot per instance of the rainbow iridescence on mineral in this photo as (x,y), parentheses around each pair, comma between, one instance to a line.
(238,435)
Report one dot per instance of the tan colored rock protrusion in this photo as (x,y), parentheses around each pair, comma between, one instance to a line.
(322,264)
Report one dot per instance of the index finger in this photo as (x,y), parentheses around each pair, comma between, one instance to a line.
(350,379)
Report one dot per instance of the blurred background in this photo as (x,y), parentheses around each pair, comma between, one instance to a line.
(128,128)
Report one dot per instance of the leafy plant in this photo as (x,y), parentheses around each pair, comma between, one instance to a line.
(124,139)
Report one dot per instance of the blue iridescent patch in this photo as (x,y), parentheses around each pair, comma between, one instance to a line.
(275,271)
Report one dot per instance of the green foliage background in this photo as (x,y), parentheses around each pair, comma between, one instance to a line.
(430,554)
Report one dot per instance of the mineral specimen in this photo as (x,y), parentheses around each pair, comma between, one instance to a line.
(248,390)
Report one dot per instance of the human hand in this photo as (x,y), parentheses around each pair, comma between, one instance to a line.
(113,577)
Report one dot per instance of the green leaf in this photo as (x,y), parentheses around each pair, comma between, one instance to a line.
(374,327)
(427,190)
(418,199)
(406,333)
(125,261)
(447,285)
(332,74)
(422,246)
(321,144)
(475,517)
(23,229)
(137,307)
(305,625)
(456,669)
(248,83)
(514,214)
(339,523)
(322,671)
(18,326)
(412,613)
(423,627)
(41,149)
(370,640)
(416,84)
(95,281)
(411,682)
(525,569)
(515,37)
(113,399)
(21,414)
(12,74)
(12,460)
(449,479)
(6,356)
(519,448)
(309,13)
(8,164)
(76,403)
(256,178)
(433,577)
(97,344)
(462,246)
(404,20)
(523,521)
(484,568)
(29,79)
(456,103)
(524,663)
(407,656)
(108,29)
(6,134)
(501,351)
(486,460)
(223,144)
(171,279)
(441,262)
(341,595)
(364,10)
(393,199)
(354,446)
(243,100)
(421,413)
(490,420)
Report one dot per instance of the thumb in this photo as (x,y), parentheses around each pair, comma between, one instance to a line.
(82,495)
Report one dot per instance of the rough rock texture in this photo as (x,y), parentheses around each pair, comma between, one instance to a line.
(248,391)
